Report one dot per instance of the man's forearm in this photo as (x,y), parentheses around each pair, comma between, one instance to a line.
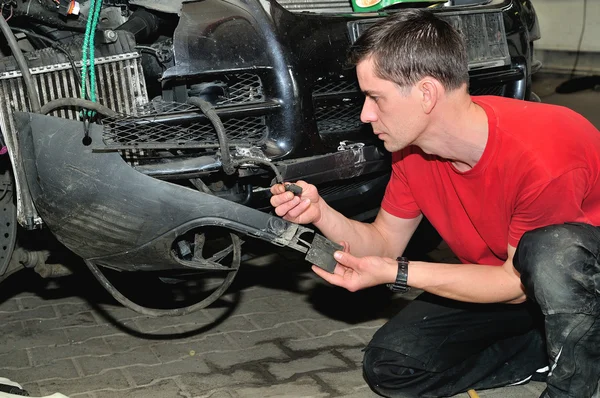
(364,239)
(467,282)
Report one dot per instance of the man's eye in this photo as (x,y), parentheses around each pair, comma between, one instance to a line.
(375,99)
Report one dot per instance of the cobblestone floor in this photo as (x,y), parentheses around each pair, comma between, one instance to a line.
(279,332)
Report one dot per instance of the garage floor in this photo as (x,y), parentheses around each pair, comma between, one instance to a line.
(278,332)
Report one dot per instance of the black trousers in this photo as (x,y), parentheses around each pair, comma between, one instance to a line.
(436,347)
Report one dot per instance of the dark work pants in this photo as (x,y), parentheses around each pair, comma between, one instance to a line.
(437,347)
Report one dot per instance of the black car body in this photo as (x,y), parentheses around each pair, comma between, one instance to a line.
(158,178)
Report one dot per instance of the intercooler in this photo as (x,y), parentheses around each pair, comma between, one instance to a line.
(119,85)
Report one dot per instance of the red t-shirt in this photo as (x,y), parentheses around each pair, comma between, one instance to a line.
(541,166)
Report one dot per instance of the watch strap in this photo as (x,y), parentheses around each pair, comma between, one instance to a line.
(401,283)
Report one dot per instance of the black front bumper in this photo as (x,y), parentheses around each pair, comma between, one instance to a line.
(108,213)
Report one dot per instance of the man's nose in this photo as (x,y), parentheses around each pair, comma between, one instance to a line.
(367,114)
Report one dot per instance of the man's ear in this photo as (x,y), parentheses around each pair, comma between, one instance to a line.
(429,90)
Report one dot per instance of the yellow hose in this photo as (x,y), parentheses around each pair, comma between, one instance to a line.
(473,394)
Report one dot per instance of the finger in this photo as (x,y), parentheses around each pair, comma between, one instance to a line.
(346,259)
(334,279)
(277,189)
(346,246)
(300,208)
(285,208)
(281,198)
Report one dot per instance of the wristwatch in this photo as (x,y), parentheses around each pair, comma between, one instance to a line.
(400,286)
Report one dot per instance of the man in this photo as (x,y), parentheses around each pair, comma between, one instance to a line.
(513,187)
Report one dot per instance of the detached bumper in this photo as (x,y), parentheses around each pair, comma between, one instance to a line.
(106,212)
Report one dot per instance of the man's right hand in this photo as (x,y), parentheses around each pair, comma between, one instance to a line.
(300,209)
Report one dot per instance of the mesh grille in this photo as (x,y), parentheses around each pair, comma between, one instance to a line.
(243,88)
(342,188)
(324,86)
(146,132)
(342,117)
(490,90)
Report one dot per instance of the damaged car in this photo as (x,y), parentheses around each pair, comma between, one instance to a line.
(144,135)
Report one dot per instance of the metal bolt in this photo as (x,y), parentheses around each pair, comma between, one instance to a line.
(110,35)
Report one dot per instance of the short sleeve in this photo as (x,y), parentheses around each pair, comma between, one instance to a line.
(554,202)
(398,199)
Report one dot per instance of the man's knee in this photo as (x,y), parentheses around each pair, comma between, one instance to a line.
(385,374)
(557,265)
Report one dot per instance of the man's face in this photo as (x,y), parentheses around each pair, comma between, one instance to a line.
(395,113)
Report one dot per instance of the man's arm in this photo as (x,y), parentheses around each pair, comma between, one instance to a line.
(470,282)
(387,236)
(463,282)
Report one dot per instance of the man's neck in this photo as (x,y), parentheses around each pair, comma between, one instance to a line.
(460,134)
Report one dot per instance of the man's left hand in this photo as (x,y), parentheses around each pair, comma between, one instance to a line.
(356,273)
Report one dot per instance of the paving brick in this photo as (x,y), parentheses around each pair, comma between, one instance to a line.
(281,332)
(28,338)
(254,306)
(162,389)
(345,382)
(113,379)
(14,359)
(201,384)
(72,308)
(154,324)
(45,312)
(324,326)
(287,302)
(9,305)
(119,313)
(169,351)
(335,339)
(44,355)
(275,317)
(365,392)
(77,334)
(32,388)
(355,355)
(124,342)
(144,374)
(321,361)
(226,359)
(78,319)
(58,369)
(218,394)
(365,333)
(92,365)
(509,392)
(30,302)
(303,387)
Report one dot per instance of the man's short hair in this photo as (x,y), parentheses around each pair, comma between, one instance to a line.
(411,44)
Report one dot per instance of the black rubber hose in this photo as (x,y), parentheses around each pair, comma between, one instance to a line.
(54,44)
(278,176)
(237,256)
(32,92)
(77,102)
(209,111)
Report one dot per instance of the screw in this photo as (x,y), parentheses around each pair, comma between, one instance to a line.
(110,35)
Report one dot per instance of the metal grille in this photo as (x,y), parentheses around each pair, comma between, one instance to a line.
(341,188)
(490,90)
(243,88)
(146,132)
(342,117)
(324,86)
